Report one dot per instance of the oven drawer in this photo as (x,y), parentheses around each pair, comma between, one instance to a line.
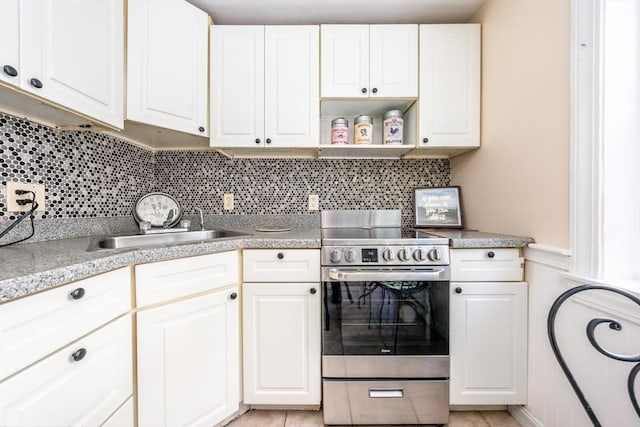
(386,402)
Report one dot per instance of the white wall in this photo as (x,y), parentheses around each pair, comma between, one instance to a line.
(552,402)
(518,181)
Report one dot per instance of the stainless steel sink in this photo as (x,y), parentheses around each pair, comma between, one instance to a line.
(140,240)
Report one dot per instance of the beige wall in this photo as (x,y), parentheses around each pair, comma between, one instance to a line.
(518,181)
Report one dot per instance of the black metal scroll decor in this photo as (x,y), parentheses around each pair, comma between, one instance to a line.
(591,327)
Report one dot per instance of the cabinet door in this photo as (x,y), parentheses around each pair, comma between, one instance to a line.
(281,336)
(393,64)
(449,85)
(61,391)
(237,86)
(167,65)
(188,368)
(292,115)
(488,341)
(75,49)
(123,417)
(344,61)
(10,36)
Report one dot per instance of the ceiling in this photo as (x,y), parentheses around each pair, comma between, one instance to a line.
(291,12)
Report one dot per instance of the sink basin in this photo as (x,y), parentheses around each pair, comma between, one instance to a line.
(139,240)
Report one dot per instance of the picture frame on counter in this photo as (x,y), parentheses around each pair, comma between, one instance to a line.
(438,207)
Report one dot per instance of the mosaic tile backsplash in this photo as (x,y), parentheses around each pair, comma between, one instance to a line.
(85,174)
(88,174)
(283,186)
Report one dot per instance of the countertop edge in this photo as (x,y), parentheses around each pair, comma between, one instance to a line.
(31,283)
(24,285)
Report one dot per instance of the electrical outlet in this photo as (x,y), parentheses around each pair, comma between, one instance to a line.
(227,202)
(12,197)
(314,202)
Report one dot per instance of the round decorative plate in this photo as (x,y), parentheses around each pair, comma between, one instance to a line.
(273,229)
(157,208)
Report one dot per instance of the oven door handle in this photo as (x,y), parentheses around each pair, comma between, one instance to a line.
(387,276)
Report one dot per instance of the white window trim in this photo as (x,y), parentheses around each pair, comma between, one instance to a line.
(585,205)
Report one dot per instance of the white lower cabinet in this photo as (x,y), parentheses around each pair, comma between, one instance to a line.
(123,417)
(82,384)
(281,336)
(488,343)
(34,327)
(188,350)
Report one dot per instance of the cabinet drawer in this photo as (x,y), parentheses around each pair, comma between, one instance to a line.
(281,265)
(32,327)
(480,265)
(167,280)
(61,391)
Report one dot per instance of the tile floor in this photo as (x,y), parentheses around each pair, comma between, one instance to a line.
(261,418)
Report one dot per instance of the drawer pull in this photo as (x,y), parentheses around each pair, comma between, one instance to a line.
(36,83)
(313,291)
(78,355)
(386,393)
(10,71)
(233,295)
(458,290)
(491,254)
(280,255)
(77,293)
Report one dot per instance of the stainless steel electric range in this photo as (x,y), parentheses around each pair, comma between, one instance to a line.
(385,321)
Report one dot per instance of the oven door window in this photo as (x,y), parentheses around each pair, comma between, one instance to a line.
(385,318)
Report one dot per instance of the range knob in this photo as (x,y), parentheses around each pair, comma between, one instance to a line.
(388,254)
(335,255)
(403,255)
(420,255)
(350,255)
(435,254)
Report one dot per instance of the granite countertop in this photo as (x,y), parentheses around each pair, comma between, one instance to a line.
(469,239)
(33,267)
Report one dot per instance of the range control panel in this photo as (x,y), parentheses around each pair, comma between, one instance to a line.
(386,255)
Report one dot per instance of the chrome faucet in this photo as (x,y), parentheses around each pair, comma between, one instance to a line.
(169,220)
(201,217)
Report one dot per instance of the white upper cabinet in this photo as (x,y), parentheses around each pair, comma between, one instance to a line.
(71,53)
(167,65)
(449,86)
(264,86)
(291,74)
(369,61)
(10,36)
(237,86)
(344,61)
